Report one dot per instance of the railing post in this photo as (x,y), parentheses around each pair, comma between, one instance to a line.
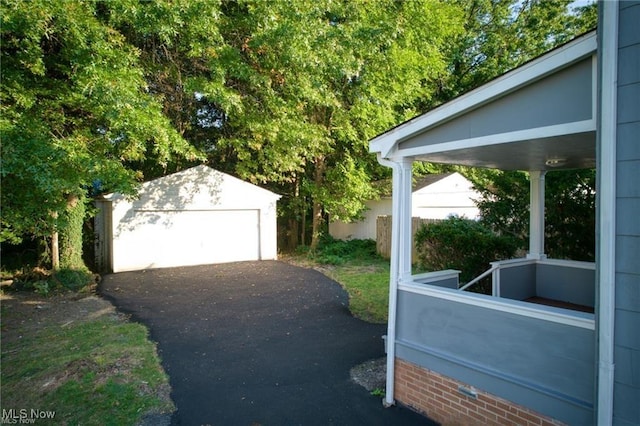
(495,283)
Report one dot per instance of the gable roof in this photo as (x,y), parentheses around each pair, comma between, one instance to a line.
(545,110)
(384,186)
(201,183)
(427,180)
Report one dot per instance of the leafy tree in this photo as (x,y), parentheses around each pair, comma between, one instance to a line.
(500,35)
(75,108)
(569,210)
(181,54)
(97,95)
(317,81)
(504,204)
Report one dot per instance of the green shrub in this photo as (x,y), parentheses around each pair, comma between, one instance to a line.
(72,279)
(462,244)
(336,252)
(44,282)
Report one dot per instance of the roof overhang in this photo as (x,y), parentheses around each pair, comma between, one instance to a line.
(540,116)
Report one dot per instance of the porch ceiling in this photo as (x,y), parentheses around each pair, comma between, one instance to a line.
(540,116)
(575,151)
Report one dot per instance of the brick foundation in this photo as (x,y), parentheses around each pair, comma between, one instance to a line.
(438,397)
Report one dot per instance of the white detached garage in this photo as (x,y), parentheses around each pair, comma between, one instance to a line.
(194,217)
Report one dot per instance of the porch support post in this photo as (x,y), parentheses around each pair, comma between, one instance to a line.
(536,215)
(401,209)
(406,249)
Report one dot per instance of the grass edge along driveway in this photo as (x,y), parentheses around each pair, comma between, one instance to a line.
(77,361)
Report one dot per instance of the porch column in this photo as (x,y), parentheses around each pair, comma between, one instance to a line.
(400,256)
(406,188)
(536,215)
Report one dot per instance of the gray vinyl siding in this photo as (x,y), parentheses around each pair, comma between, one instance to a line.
(573,285)
(556,282)
(563,97)
(626,409)
(518,283)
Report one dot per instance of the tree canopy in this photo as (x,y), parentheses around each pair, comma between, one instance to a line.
(75,109)
(98,95)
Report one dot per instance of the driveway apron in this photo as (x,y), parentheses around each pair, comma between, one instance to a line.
(257,343)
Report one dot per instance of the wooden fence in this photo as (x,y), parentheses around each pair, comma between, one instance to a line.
(383,235)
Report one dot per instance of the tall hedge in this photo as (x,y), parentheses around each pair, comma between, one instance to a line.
(463,244)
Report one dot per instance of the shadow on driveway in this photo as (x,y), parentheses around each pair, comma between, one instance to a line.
(257,343)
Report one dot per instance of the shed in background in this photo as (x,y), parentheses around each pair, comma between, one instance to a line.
(436,196)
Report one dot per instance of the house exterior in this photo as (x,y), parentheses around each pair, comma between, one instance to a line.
(465,358)
(193,217)
(436,196)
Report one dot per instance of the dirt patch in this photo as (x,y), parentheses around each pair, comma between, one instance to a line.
(371,374)
(23,311)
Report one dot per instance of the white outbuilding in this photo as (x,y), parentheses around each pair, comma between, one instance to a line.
(194,217)
(435,196)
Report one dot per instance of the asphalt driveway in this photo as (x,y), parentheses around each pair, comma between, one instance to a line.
(257,343)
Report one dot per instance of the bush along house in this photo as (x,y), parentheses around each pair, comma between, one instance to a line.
(557,341)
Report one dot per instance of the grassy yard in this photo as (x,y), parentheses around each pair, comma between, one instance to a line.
(362,273)
(368,286)
(78,359)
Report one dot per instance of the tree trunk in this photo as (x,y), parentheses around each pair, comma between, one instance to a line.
(55,246)
(294,222)
(316,224)
(292,237)
(55,251)
(303,225)
(302,206)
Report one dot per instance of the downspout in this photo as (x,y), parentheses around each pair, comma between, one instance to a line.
(608,61)
(393,280)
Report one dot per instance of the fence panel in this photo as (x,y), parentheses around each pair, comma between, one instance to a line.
(383,235)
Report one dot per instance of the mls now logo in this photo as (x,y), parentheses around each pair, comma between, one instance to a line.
(24,416)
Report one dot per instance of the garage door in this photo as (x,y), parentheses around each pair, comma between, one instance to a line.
(179,238)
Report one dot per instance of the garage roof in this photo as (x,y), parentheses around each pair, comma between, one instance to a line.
(198,187)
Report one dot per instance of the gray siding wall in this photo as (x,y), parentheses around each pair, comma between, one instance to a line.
(547,102)
(557,282)
(573,285)
(546,366)
(626,408)
(518,282)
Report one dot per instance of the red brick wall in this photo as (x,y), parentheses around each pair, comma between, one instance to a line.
(438,398)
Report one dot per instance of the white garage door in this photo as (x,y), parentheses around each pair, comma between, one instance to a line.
(179,238)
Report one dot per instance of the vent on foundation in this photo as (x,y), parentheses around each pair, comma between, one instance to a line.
(470,392)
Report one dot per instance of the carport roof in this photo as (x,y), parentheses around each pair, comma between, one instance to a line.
(540,116)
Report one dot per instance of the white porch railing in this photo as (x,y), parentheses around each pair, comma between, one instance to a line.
(497,268)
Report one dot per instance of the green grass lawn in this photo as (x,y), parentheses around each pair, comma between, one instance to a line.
(368,286)
(80,360)
(360,271)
